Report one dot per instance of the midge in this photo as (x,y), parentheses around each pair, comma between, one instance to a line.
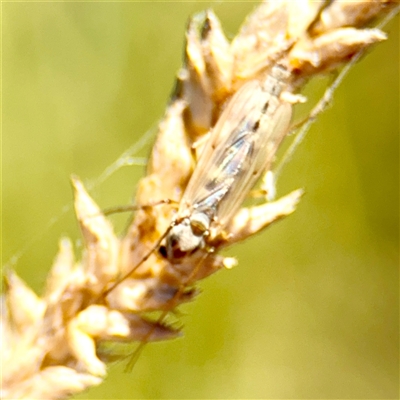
(242,145)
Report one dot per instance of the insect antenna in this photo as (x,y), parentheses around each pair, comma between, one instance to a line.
(128,208)
(134,268)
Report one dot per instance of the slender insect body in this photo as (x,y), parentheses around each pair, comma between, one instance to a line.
(241,147)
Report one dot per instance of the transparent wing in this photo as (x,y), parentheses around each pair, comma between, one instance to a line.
(242,145)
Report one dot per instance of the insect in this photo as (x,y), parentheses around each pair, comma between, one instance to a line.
(241,146)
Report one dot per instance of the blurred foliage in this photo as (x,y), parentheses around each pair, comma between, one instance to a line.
(312,309)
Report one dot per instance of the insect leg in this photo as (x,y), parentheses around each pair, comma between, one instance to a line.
(174,301)
(134,207)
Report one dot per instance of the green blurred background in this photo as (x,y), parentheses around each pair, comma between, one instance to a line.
(311,311)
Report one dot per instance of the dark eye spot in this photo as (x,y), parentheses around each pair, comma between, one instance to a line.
(178,254)
(163,251)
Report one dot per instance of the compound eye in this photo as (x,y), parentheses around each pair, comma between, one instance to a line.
(179,254)
(163,251)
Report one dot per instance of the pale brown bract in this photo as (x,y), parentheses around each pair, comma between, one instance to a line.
(50,344)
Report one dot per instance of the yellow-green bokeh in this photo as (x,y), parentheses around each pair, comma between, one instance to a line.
(311,311)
